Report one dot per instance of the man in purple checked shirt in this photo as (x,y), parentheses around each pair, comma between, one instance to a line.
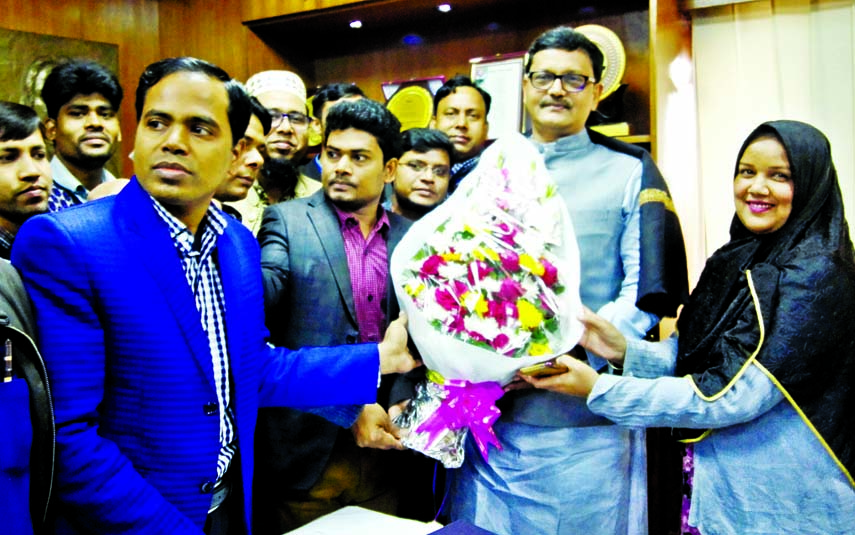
(325,260)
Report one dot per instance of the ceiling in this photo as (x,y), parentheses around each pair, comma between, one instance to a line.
(326,32)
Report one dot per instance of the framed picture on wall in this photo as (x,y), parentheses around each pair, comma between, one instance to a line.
(411,101)
(501,76)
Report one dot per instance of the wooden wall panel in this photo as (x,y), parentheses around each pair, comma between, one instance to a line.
(214,32)
(132,25)
(261,57)
(208,30)
(62,19)
(262,9)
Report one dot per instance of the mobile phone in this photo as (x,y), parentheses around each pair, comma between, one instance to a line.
(544,369)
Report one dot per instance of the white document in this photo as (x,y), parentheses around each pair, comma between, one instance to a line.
(358,521)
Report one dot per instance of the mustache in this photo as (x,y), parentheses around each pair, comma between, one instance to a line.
(340,181)
(102,137)
(35,187)
(171,165)
(549,101)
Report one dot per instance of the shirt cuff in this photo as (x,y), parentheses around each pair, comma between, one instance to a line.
(603,384)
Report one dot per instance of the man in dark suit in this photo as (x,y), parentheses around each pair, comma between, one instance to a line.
(325,261)
(150,309)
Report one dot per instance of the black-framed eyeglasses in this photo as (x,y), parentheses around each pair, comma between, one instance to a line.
(295,118)
(418,167)
(570,82)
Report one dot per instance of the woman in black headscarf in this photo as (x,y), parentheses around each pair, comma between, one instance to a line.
(765,360)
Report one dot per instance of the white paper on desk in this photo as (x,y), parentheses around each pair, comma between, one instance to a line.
(358,521)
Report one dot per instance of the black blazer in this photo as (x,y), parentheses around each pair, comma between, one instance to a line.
(309,302)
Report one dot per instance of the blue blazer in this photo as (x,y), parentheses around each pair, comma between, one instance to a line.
(131,370)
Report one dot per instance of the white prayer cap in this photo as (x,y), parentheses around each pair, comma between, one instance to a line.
(266,81)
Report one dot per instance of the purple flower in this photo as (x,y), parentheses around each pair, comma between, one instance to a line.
(479,269)
(477,337)
(445,299)
(456,325)
(498,311)
(460,288)
(550,273)
(500,341)
(507,234)
(510,261)
(511,290)
(431,265)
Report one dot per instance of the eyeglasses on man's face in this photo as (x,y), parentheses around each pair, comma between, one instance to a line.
(419,167)
(295,118)
(570,82)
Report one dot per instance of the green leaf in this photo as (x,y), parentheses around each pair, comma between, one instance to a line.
(538,336)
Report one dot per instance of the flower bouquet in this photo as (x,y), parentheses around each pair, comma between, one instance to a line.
(490,283)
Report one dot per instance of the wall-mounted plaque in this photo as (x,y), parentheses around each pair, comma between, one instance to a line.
(411,101)
(501,76)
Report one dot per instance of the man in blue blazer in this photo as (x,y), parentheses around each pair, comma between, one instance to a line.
(150,310)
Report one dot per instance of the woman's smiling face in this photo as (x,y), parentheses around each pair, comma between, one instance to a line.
(763,186)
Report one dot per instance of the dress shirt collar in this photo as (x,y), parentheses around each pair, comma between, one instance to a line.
(63,177)
(213,225)
(346,219)
(576,143)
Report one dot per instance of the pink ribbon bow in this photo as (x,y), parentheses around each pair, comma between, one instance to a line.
(466,404)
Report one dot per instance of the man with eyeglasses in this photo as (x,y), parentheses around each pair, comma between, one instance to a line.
(424,169)
(325,261)
(563,469)
(460,109)
(284,95)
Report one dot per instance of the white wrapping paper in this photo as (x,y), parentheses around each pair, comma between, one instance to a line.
(543,213)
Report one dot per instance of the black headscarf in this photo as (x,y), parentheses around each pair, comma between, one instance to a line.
(803,276)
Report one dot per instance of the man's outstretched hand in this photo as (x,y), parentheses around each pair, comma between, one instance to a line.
(374,429)
(394,355)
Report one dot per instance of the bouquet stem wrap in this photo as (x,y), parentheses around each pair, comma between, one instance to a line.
(466,405)
(490,282)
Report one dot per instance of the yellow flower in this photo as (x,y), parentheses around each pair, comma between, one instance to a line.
(530,316)
(535,349)
(491,254)
(531,264)
(435,377)
(481,306)
(451,257)
(414,291)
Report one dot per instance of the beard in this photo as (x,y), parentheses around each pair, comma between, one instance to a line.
(406,205)
(89,162)
(347,206)
(17,214)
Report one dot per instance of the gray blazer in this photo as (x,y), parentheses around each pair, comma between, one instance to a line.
(309,302)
